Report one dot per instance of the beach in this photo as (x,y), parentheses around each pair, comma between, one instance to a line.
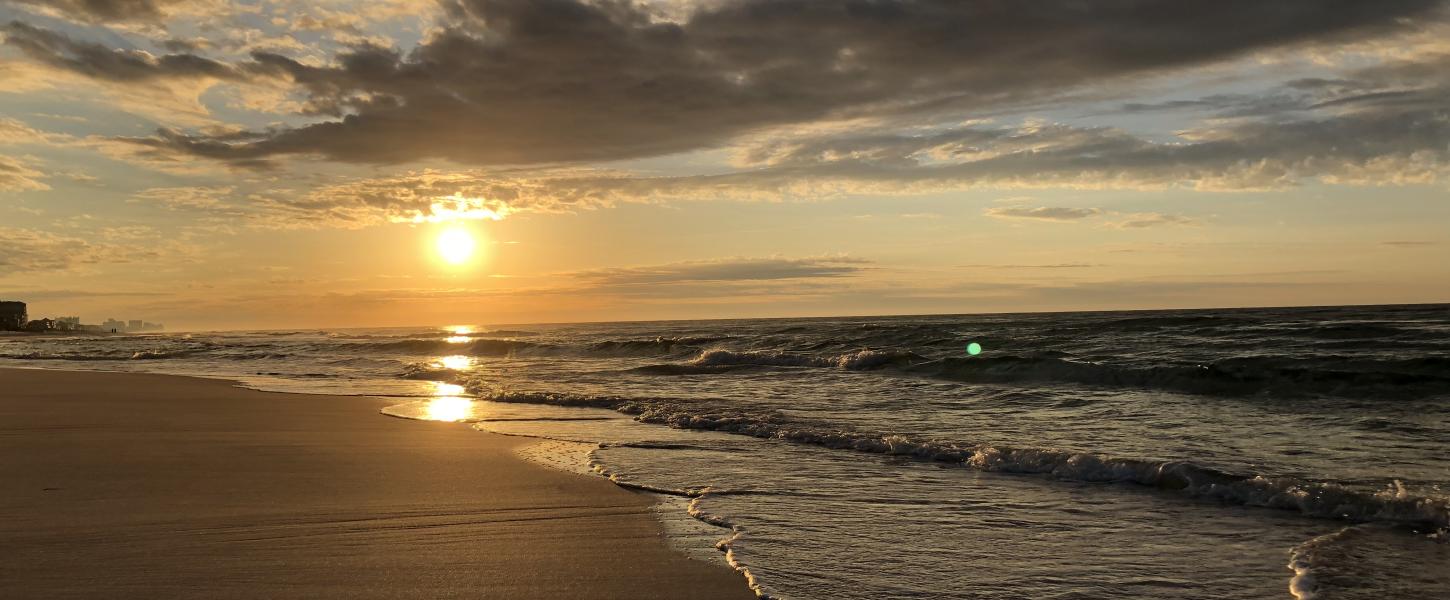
(154,486)
(1243,454)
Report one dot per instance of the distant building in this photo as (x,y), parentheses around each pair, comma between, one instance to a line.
(135,325)
(41,325)
(113,326)
(67,323)
(13,316)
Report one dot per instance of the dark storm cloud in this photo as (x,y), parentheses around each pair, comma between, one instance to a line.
(1416,84)
(1385,140)
(519,82)
(1372,143)
(109,64)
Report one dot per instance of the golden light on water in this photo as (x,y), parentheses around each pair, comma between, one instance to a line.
(447,389)
(450,404)
(456,245)
(450,408)
(456,362)
(460,334)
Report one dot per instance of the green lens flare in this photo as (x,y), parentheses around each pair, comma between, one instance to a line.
(974,348)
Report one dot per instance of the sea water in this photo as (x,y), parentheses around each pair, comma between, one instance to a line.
(1249,453)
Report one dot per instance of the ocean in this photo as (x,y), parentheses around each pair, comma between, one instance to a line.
(1234,453)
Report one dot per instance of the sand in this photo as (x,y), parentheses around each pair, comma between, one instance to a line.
(150,486)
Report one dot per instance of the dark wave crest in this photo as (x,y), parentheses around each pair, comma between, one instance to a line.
(1292,377)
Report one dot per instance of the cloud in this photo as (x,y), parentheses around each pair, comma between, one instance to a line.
(1041,213)
(1408,243)
(102,11)
(186,198)
(100,62)
(165,88)
(727,270)
(1048,266)
(34,250)
(1152,219)
(418,197)
(487,86)
(33,295)
(14,132)
(15,176)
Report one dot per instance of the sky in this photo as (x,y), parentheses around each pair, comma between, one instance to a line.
(294,163)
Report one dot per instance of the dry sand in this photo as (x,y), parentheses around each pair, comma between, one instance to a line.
(151,486)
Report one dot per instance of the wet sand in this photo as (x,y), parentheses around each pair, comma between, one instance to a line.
(152,486)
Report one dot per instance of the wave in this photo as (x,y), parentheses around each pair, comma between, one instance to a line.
(1350,331)
(1236,376)
(430,372)
(1308,563)
(1371,560)
(503,333)
(1283,376)
(473,347)
(1315,499)
(122,355)
(721,361)
(1169,321)
(486,346)
(161,354)
(147,355)
(649,347)
(66,356)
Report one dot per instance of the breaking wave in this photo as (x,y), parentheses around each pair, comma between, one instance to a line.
(1368,561)
(651,347)
(1314,499)
(719,360)
(120,355)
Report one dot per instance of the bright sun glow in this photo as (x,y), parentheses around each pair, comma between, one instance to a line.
(460,334)
(456,245)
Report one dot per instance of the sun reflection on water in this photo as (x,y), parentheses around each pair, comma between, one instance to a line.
(457,362)
(451,408)
(450,404)
(461,334)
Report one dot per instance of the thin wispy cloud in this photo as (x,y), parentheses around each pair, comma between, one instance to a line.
(729,269)
(1041,213)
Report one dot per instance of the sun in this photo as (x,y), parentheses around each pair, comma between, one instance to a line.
(456,245)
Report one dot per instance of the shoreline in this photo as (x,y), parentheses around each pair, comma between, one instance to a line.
(142,485)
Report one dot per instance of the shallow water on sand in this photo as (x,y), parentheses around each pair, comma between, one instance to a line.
(1262,453)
